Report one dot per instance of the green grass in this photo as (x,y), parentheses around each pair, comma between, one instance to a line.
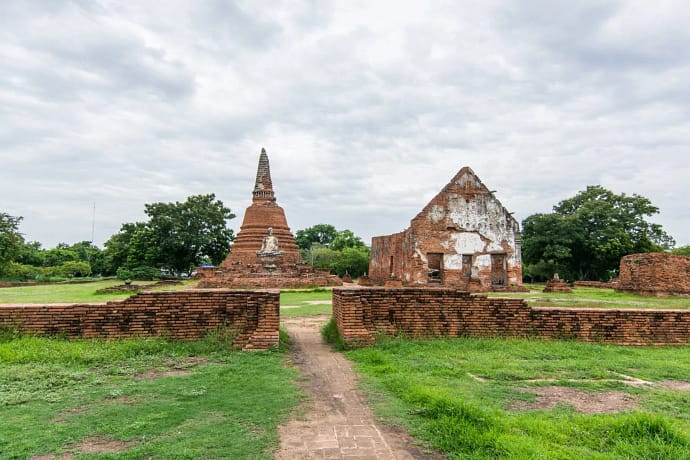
(426,386)
(305,302)
(162,399)
(71,293)
(584,297)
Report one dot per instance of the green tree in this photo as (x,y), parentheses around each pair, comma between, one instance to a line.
(11,241)
(321,234)
(354,261)
(59,255)
(346,239)
(31,253)
(320,256)
(682,251)
(117,248)
(177,237)
(585,236)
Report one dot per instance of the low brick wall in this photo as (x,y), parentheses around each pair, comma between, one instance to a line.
(179,315)
(655,274)
(363,313)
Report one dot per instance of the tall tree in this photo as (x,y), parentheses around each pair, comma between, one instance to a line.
(321,234)
(177,237)
(586,235)
(11,241)
(346,239)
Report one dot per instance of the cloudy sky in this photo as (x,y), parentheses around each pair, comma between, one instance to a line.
(366,109)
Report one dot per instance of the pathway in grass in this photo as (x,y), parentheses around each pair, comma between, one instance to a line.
(337,422)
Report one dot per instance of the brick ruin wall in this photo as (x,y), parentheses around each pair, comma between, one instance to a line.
(362,314)
(181,315)
(655,274)
(464,220)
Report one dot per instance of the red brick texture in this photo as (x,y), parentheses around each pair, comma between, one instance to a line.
(463,239)
(361,314)
(181,315)
(655,274)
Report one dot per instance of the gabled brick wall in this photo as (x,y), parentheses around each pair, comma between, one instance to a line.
(362,313)
(464,238)
(180,315)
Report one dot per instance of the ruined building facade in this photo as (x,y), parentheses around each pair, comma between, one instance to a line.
(464,238)
(265,253)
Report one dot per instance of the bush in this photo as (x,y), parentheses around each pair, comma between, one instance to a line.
(21,272)
(138,273)
(70,269)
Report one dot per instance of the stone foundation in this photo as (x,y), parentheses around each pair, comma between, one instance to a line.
(181,315)
(362,314)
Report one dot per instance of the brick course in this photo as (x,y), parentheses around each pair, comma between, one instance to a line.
(655,274)
(363,313)
(179,315)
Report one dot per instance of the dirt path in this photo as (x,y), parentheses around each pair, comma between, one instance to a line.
(337,422)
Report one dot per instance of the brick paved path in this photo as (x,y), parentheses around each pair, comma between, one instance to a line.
(337,422)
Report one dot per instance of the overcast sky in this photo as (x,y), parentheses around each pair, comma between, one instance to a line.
(366,109)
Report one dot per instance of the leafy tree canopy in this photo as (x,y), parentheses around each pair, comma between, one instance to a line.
(11,241)
(586,235)
(339,251)
(682,251)
(177,237)
(346,239)
(321,234)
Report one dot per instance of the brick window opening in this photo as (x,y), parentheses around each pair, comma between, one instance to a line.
(435,267)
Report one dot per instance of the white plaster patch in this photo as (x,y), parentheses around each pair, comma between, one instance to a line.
(467,243)
(437,213)
(453,262)
(483,260)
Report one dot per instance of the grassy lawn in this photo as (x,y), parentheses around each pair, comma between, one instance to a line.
(141,399)
(71,292)
(482,398)
(305,302)
(584,297)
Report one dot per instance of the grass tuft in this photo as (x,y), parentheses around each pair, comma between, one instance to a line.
(330,334)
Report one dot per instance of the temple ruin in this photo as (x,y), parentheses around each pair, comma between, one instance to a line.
(265,253)
(654,274)
(463,238)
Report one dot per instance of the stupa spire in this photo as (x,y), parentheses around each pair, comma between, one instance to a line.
(263,188)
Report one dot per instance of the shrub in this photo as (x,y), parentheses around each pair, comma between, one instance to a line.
(138,273)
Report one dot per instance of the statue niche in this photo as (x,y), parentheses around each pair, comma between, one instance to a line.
(269,245)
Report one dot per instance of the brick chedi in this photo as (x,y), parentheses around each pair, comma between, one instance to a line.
(464,238)
(265,253)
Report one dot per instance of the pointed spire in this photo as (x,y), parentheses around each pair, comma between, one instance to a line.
(263,188)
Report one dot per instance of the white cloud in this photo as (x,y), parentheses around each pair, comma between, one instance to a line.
(367,109)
